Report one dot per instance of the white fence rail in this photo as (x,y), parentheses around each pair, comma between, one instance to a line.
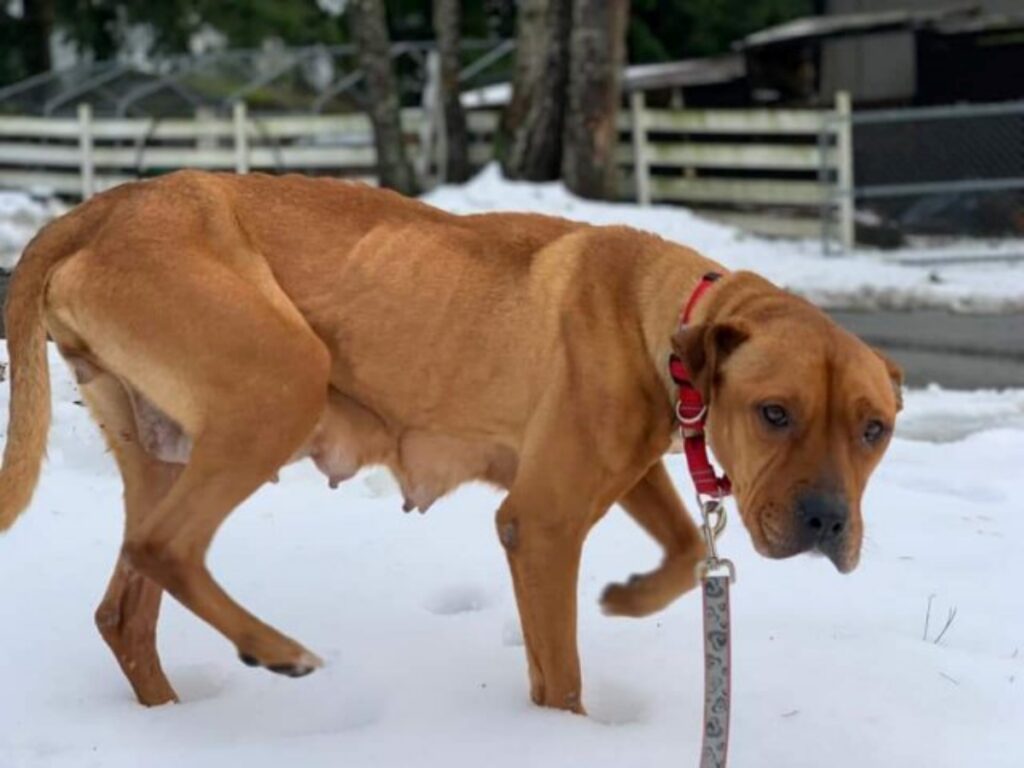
(79,157)
(743,162)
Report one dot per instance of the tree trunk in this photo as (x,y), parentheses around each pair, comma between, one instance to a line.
(598,51)
(447,22)
(38,25)
(533,122)
(368,26)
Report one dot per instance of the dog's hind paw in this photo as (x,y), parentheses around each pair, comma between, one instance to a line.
(291,670)
(304,665)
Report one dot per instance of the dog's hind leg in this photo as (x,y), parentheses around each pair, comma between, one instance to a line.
(244,377)
(655,505)
(127,616)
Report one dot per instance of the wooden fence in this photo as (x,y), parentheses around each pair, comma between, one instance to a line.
(79,157)
(758,168)
(751,166)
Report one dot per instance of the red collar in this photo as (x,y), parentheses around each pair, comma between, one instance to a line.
(691,411)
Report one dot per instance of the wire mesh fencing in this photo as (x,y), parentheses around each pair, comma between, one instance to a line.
(939,172)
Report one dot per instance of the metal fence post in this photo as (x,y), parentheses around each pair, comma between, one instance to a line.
(86,159)
(844,169)
(828,184)
(641,168)
(241,124)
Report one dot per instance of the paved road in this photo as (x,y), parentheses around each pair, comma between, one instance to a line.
(959,351)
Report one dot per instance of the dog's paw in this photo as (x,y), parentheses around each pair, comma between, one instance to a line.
(630,599)
(617,600)
(303,665)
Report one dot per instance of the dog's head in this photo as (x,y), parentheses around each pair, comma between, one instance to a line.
(800,413)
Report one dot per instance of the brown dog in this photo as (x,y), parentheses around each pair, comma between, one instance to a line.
(221,326)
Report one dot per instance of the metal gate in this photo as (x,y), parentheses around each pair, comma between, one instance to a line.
(956,162)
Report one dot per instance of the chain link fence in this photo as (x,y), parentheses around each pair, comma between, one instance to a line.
(931,174)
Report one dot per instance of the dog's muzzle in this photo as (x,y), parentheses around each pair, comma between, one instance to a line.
(823,524)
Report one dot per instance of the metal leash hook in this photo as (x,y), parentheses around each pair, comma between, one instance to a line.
(713,520)
(715,574)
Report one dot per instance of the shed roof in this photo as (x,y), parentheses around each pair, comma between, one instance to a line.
(811,27)
(1001,22)
(685,73)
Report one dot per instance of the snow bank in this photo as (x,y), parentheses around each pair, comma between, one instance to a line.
(21,216)
(416,619)
(862,281)
(941,415)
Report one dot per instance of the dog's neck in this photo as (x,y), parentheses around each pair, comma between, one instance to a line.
(674,273)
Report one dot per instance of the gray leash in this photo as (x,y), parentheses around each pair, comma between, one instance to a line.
(715,575)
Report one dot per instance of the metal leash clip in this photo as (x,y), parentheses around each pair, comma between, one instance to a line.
(712,512)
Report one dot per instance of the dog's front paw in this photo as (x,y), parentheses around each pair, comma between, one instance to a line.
(625,599)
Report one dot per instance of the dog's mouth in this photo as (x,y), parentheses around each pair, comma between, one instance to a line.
(775,540)
(845,561)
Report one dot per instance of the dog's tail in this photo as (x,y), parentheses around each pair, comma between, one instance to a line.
(29,419)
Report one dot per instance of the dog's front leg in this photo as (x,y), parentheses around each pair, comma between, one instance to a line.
(543,546)
(654,503)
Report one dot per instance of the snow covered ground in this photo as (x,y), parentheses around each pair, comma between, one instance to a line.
(416,620)
(866,280)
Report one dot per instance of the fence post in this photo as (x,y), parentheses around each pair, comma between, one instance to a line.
(241,121)
(86,159)
(641,169)
(828,184)
(432,131)
(206,139)
(844,169)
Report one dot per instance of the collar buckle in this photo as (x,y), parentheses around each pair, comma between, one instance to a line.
(690,421)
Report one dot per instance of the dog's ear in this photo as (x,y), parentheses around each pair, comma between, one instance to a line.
(703,348)
(895,375)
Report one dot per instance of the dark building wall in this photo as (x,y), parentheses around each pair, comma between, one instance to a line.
(880,69)
(970,66)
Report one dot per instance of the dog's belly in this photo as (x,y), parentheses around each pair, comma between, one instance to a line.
(427,464)
(432,463)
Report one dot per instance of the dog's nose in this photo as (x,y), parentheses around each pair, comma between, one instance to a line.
(822,518)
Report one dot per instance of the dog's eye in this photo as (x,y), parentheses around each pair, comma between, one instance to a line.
(874,431)
(775,415)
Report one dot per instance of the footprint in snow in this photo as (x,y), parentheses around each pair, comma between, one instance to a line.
(198,682)
(612,703)
(457,599)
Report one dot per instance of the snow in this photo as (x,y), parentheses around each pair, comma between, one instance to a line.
(21,216)
(425,666)
(416,619)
